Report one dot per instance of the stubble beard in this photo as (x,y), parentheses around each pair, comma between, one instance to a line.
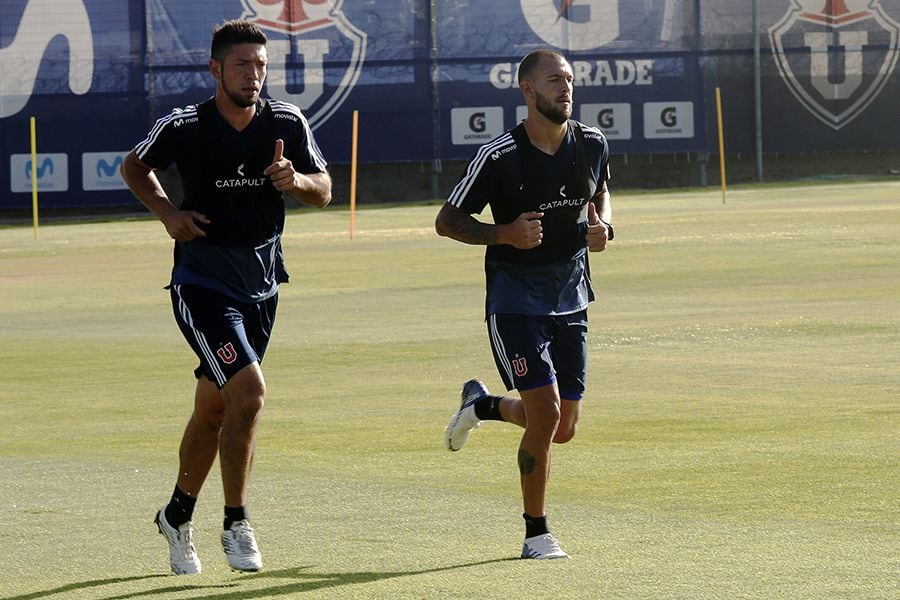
(238,98)
(552,112)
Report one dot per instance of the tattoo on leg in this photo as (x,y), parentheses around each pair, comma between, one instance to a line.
(526,462)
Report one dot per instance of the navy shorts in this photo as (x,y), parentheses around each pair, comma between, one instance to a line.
(534,351)
(226,335)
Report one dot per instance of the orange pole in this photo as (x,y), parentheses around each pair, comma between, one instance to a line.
(34,189)
(721,142)
(354,138)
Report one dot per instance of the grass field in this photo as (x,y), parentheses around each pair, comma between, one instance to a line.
(740,437)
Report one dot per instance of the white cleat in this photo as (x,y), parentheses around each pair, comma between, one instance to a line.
(465,420)
(542,547)
(182,554)
(240,547)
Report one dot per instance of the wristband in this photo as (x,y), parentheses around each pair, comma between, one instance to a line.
(610,232)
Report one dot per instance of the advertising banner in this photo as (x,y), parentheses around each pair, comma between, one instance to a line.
(433,79)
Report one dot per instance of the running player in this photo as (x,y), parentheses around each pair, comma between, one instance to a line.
(236,154)
(545,182)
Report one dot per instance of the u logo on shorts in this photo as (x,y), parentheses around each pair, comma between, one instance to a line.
(520,366)
(227,353)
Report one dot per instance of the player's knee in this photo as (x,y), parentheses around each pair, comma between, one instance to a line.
(246,408)
(210,418)
(251,405)
(209,412)
(245,394)
(564,434)
(544,417)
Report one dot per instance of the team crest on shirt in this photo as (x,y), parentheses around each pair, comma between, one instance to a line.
(835,55)
(306,39)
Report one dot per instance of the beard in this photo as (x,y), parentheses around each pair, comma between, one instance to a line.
(552,112)
(238,97)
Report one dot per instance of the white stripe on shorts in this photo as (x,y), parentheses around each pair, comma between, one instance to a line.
(201,339)
(499,348)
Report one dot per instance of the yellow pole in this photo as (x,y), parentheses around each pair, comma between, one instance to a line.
(34,194)
(353,173)
(721,141)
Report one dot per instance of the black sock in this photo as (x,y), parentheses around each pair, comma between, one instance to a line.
(180,508)
(535,525)
(233,514)
(488,409)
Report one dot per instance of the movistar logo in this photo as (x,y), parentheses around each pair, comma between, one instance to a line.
(106,169)
(46,165)
(42,22)
(498,153)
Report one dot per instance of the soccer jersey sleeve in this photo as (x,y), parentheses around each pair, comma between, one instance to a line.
(159,149)
(311,156)
(477,186)
(604,163)
(598,151)
(300,145)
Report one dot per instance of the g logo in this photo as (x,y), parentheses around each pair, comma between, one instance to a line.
(477,122)
(669,116)
(606,118)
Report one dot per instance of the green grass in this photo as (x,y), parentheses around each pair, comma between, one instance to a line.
(740,437)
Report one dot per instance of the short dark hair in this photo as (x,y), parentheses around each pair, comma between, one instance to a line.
(231,33)
(529,64)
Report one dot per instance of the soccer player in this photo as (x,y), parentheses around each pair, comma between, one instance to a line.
(545,182)
(236,154)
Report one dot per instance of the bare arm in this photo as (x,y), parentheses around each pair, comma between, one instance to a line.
(523,233)
(313,189)
(144,184)
(459,225)
(601,201)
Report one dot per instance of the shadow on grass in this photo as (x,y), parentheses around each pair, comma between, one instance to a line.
(295,580)
(82,585)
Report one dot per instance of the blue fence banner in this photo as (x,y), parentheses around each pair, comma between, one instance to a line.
(433,79)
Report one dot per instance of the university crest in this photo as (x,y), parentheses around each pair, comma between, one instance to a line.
(835,55)
(315,53)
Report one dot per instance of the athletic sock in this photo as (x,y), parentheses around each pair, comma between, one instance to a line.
(233,514)
(535,525)
(488,408)
(180,508)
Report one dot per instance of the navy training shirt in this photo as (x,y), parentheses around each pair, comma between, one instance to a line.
(221,172)
(512,177)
